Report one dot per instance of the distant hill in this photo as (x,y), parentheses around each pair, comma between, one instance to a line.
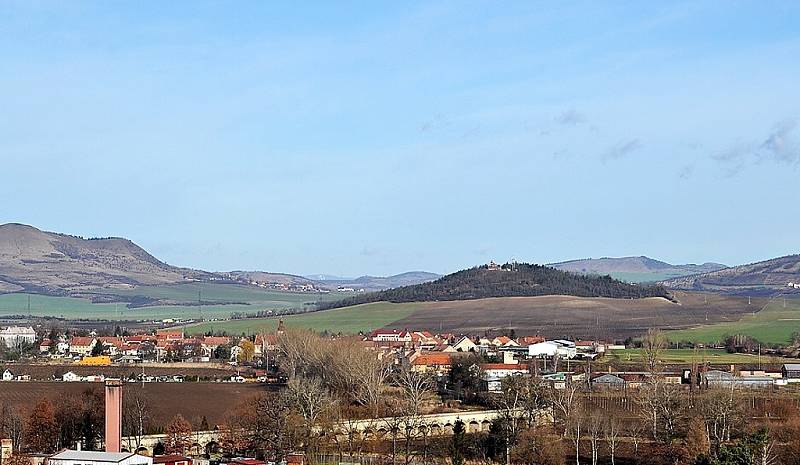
(761,278)
(519,280)
(326,277)
(41,262)
(267,277)
(36,261)
(379,283)
(635,269)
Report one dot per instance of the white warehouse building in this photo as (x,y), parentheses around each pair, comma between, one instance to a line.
(564,349)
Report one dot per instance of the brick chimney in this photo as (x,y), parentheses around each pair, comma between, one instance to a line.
(113,415)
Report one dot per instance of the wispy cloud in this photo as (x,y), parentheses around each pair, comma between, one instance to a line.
(622,149)
(571,117)
(439,121)
(368,251)
(778,146)
(686,172)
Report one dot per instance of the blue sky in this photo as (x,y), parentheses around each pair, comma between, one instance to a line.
(380,137)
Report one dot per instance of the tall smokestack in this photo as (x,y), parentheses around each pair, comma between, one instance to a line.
(113,415)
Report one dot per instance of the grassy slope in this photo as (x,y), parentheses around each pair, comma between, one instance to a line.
(217,292)
(68,307)
(349,320)
(773,324)
(686,356)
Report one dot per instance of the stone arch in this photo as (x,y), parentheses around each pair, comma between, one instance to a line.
(142,450)
(473,427)
(195,449)
(436,430)
(381,432)
(485,425)
(448,428)
(423,430)
(212,447)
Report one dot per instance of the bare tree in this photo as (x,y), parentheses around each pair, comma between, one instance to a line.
(635,430)
(563,402)
(575,428)
(653,345)
(135,418)
(722,411)
(311,401)
(309,397)
(361,373)
(594,429)
(612,432)
(417,389)
(12,426)
(294,349)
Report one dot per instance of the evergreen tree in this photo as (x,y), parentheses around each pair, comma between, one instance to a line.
(459,442)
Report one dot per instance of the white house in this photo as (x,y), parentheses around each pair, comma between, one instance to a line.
(70,377)
(82,345)
(8,376)
(390,335)
(493,374)
(465,344)
(16,335)
(77,457)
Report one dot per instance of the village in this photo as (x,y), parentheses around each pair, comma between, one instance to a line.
(256,358)
(379,385)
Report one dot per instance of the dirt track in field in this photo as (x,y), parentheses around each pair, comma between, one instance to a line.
(577,317)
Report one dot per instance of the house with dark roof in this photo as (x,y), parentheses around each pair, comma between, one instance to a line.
(791,372)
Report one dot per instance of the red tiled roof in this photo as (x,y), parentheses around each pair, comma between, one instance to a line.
(171,458)
(217,340)
(81,341)
(432,359)
(528,340)
(503,366)
(272,339)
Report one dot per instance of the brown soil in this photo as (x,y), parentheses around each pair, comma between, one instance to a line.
(577,317)
(192,400)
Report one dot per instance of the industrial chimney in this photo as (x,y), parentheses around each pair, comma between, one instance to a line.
(113,415)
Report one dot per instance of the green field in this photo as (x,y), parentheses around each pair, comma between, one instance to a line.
(348,320)
(249,300)
(687,356)
(774,324)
